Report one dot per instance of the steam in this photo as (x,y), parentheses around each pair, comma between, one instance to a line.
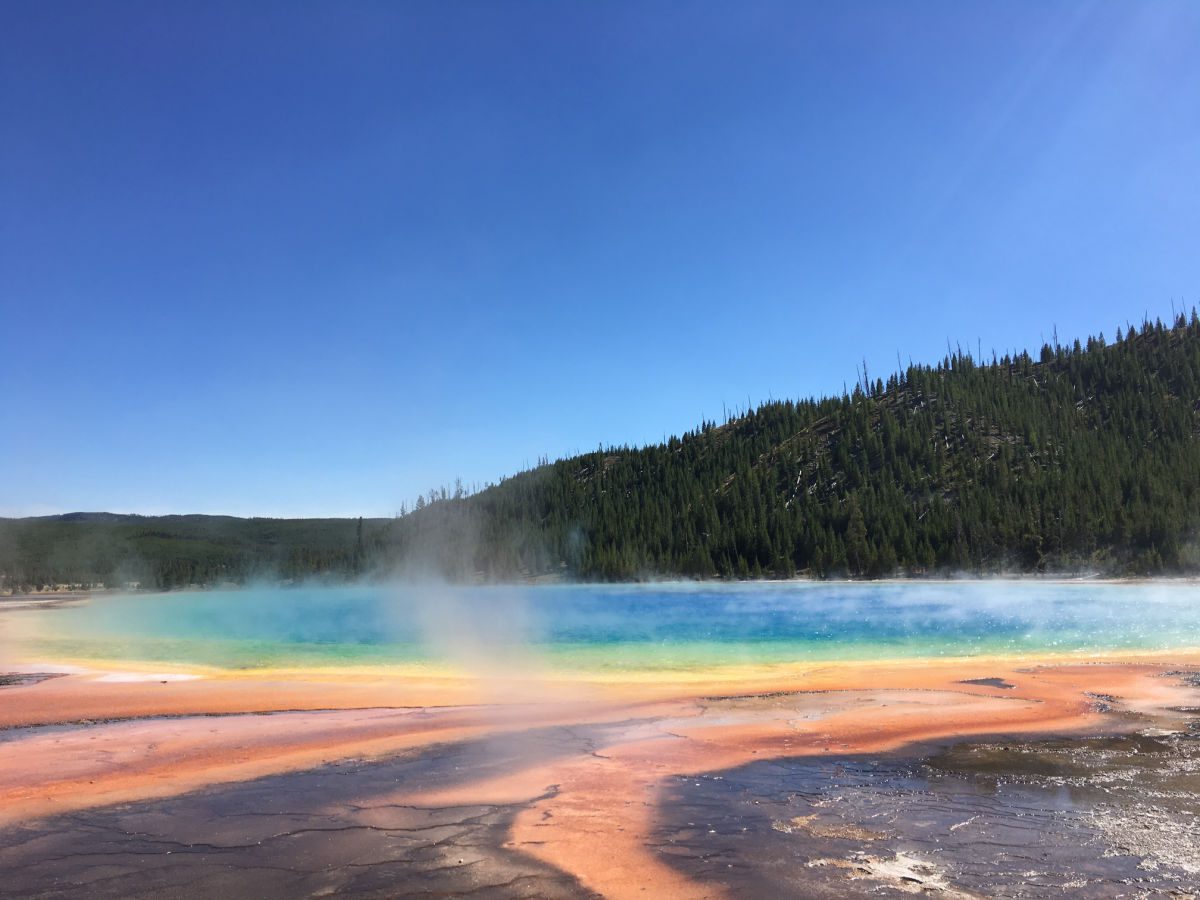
(488,633)
(17,629)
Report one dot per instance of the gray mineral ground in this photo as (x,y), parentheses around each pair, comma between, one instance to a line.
(1099,817)
(1089,817)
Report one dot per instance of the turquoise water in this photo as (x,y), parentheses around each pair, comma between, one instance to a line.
(618,627)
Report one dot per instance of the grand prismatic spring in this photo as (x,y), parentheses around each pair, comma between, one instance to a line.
(775,739)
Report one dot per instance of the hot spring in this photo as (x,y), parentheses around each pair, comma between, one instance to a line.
(597,628)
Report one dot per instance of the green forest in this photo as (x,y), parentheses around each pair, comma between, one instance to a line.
(1085,458)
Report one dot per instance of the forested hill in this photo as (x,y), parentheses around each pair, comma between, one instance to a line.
(162,552)
(1085,458)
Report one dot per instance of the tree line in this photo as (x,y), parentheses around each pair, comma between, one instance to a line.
(1085,458)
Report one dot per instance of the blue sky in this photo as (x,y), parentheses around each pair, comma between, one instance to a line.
(314,258)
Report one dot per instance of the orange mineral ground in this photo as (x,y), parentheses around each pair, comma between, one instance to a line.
(583,762)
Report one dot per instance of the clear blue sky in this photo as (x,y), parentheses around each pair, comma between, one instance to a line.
(313,258)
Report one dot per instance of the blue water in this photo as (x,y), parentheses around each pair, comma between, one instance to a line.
(590,627)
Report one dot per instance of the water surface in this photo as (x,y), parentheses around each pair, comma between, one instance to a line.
(613,627)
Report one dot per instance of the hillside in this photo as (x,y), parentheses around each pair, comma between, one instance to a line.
(1086,458)
(176,551)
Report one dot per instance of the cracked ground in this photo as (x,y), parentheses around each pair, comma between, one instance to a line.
(952,781)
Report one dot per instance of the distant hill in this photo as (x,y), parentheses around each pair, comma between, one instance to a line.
(176,551)
(1085,458)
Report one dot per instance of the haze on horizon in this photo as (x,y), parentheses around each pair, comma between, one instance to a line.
(281,260)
